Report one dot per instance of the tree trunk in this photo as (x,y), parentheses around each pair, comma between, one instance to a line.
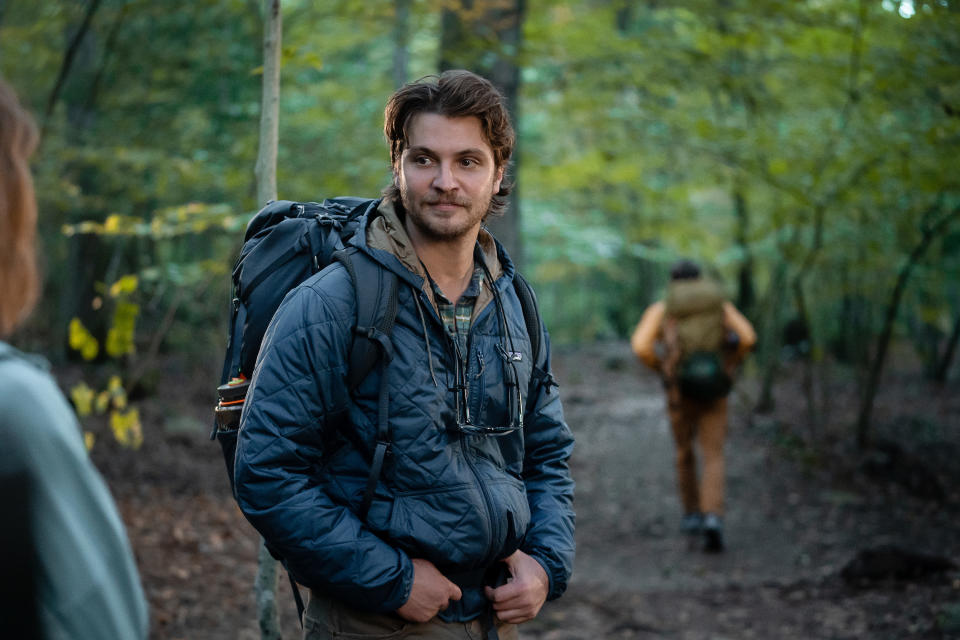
(745,289)
(943,365)
(266,174)
(883,341)
(265,589)
(88,254)
(401,39)
(108,48)
(771,338)
(266,168)
(808,382)
(486,36)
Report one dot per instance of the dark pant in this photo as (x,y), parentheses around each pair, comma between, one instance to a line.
(328,619)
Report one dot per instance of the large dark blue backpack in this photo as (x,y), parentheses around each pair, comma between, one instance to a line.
(285,243)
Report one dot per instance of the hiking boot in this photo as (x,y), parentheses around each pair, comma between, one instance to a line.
(712,533)
(692,524)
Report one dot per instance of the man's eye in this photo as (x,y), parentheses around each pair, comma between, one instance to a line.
(468,162)
(422,160)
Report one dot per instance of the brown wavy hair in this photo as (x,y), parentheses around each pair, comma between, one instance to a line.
(19,277)
(454,94)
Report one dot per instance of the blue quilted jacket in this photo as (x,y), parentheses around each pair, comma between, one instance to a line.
(461,501)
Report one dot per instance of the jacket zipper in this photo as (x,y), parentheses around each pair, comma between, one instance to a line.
(491,522)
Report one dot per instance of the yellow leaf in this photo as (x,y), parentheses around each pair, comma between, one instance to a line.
(120,341)
(82,340)
(118,395)
(111,224)
(103,401)
(90,350)
(126,284)
(126,428)
(779,166)
(88,439)
(82,397)
(78,334)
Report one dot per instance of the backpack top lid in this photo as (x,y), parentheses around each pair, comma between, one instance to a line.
(689,297)
(697,308)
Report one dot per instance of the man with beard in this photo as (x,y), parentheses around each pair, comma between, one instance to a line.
(470,527)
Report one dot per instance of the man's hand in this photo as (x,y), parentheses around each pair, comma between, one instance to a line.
(525,592)
(431,593)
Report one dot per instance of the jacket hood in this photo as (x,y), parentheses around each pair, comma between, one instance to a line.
(386,240)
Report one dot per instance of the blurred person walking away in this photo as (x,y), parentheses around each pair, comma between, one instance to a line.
(695,339)
(68,570)
(467,528)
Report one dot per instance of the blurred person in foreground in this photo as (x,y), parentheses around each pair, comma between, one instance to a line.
(68,571)
(470,529)
(695,339)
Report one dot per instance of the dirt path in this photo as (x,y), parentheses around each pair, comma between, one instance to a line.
(626,481)
(788,532)
(789,529)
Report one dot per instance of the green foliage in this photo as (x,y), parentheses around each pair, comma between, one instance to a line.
(810,136)
(831,122)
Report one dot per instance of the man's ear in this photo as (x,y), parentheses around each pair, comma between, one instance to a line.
(498,179)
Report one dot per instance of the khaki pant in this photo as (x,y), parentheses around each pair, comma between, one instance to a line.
(326,619)
(705,423)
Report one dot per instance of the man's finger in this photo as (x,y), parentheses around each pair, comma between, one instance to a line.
(511,604)
(504,593)
(515,616)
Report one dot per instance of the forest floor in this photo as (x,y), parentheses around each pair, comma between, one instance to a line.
(796,515)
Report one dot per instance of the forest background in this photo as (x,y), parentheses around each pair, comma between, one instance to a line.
(805,150)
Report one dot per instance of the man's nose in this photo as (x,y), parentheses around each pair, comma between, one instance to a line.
(444,179)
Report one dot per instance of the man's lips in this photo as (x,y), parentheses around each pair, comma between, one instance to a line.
(445,205)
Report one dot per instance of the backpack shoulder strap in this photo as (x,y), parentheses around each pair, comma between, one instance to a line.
(376,312)
(671,341)
(531,317)
(531,313)
(376,289)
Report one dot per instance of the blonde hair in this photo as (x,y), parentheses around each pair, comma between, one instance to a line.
(19,278)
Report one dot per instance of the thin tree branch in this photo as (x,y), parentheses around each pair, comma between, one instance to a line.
(930,232)
(67,63)
(107,54)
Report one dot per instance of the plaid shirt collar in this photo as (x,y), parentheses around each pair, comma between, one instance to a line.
(458,315)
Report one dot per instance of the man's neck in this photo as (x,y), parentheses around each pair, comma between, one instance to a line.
(449,262)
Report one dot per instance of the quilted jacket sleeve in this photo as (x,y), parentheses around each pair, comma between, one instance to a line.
(298,392)
(548,444)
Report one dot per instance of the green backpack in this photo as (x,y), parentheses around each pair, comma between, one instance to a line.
(695,337)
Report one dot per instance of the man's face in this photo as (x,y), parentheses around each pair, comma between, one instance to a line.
(447,176)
